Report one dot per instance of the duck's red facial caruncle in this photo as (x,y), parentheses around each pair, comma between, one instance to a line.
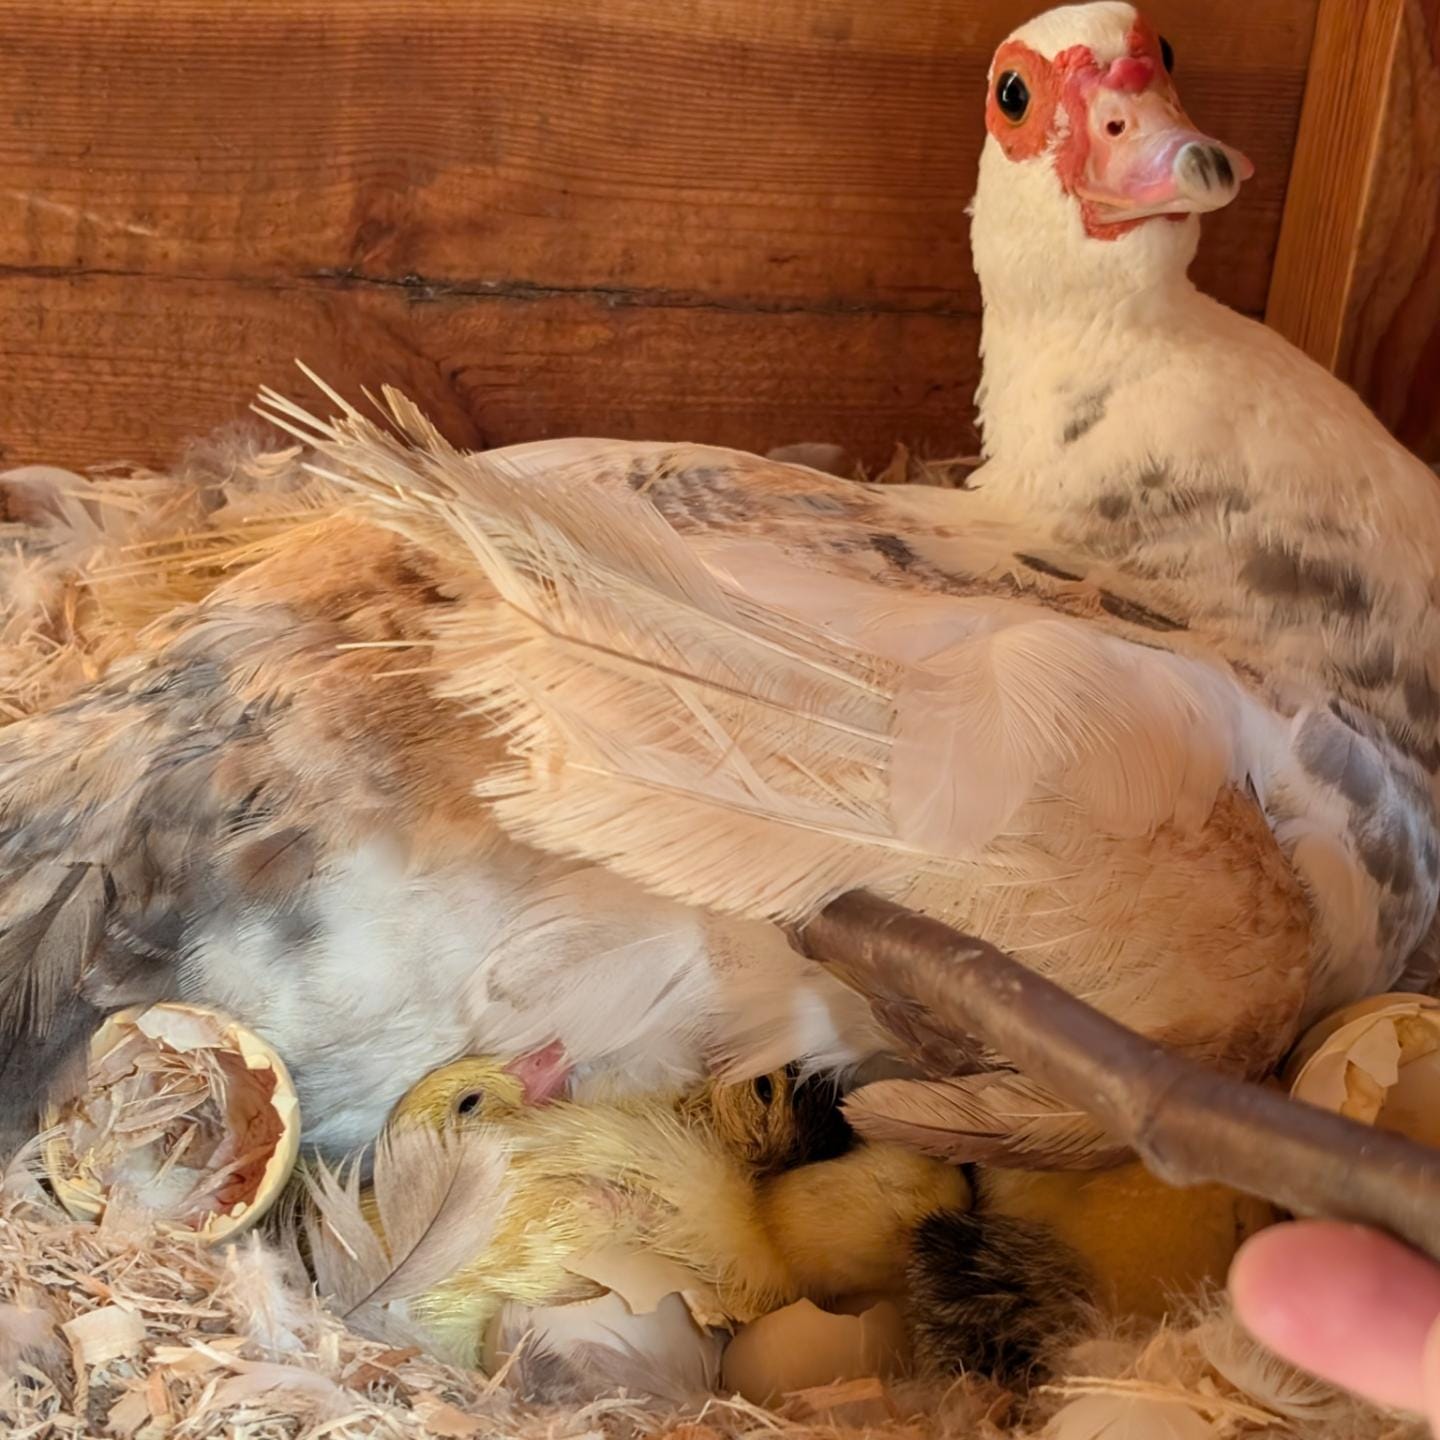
(1119,138)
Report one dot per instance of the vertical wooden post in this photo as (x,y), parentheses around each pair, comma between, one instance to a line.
(1357,274)
(1346,94)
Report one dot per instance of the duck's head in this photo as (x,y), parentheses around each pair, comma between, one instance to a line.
(481,1090)
(1092,174)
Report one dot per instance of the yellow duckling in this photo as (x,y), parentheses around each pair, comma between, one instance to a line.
(684,1178)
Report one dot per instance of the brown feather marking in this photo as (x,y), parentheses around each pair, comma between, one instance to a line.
(992,1294)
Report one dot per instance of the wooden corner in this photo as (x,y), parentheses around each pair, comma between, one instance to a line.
(1356,282)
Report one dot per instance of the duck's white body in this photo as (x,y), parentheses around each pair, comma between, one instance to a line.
(506,953)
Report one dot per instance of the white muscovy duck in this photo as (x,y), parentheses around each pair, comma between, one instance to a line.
(1151,706)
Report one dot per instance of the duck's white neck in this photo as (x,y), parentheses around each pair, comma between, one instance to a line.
(1062,310)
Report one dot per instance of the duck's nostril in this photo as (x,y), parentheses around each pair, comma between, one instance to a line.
(1115,127)
(1196,163)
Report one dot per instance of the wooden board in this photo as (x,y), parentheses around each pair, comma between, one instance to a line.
(1334,174)
(786,179)
(1392,351)
(1357,275)
(102,366)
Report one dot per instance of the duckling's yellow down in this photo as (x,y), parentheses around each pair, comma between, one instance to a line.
(656,1174)
(1144,1244)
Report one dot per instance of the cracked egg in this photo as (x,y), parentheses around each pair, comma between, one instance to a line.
(186,1119)
(1377,1061)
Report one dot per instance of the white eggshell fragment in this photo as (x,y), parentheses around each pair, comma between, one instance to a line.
(601,1346)
(643,1280)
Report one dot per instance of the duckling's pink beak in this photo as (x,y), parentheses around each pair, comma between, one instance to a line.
(1144,157)
(543,1074)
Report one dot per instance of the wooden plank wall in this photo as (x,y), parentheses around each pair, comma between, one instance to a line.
(1357,278)
(731,220)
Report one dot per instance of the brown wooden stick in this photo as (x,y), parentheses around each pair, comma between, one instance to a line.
(1188,1124)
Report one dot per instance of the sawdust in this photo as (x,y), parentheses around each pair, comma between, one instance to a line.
(143,1335)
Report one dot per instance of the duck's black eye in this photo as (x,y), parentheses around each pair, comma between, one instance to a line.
(469,1103)
(764,1090)
(1012,95)
(1167,54)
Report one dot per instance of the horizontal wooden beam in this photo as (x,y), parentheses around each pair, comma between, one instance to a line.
(110,367)
(728,220)
(819,154)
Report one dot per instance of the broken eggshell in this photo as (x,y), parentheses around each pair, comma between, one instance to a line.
(1378,1062)
(186,1119)
(802,1346)
(657,1329)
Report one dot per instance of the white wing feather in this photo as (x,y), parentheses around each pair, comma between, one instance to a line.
(670,724)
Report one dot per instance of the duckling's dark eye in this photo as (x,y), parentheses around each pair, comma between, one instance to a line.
(1167,54)
(469,1103)
(1012,95)
(764,1090)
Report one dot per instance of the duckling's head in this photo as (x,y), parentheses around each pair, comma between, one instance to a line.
(483,1089)
(474,1090)
(779,1120)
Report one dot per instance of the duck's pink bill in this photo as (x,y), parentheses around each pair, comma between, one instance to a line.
(543,1074)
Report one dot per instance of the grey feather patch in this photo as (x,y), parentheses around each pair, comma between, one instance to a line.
(818,504)
(1086,416)
(1046,567)
(1221,500)
(1374,669)
(276,865)
(44,949)
(36,1068)
(1283,574)
(1333,753)
(1421,699)
(1134,613)
(895,550)
(1391,822)
(1386,852)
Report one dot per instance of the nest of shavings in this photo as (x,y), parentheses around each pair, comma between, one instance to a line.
(111,1330)
(130,1329)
